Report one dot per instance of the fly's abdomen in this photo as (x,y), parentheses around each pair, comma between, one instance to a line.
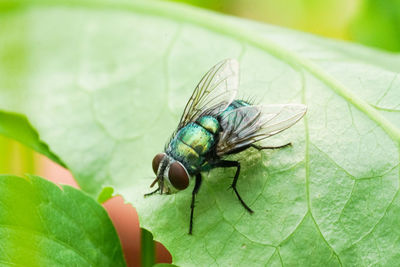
(234,105)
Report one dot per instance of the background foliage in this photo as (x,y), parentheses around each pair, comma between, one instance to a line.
(44,225)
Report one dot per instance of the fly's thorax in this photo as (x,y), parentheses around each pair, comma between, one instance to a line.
(191,144)
(197,137)
(184,154)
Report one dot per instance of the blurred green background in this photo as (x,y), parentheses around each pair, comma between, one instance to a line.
(374,23)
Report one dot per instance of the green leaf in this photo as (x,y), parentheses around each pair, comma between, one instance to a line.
(44,225)
(104,84)
(105,194)
(17,127)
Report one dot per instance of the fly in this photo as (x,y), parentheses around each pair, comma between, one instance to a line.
(213,125)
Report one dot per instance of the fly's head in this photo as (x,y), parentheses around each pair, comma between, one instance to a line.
(172,176)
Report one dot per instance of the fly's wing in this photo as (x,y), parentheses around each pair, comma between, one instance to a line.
(246,125)
(215,91)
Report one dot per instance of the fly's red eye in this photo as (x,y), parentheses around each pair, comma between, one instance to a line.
(178,176)
(156,162)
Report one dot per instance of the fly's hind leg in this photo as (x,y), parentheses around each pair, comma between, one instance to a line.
(269,147)
(194,192)
(227,164)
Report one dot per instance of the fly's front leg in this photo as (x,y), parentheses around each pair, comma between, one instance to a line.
(194,192)
(151,193)
(227,164)
(269,147)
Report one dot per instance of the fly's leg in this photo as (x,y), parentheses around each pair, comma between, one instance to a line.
(269,147)
(151,193)
(194,192)
(240,149)
(227,164)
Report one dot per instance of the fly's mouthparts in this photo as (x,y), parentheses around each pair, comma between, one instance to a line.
(154,182)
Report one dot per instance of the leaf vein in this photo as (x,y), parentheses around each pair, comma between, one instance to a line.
(384,214)
(48,237)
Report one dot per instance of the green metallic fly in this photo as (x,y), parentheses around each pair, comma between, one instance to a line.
(214,125)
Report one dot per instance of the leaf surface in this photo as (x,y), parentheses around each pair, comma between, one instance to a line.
(107,90)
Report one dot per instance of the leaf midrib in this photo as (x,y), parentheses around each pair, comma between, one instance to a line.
(218,23)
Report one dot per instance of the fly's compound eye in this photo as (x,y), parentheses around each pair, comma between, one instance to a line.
(178,176)
(156,162)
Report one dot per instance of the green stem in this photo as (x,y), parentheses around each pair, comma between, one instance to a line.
(147,249)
